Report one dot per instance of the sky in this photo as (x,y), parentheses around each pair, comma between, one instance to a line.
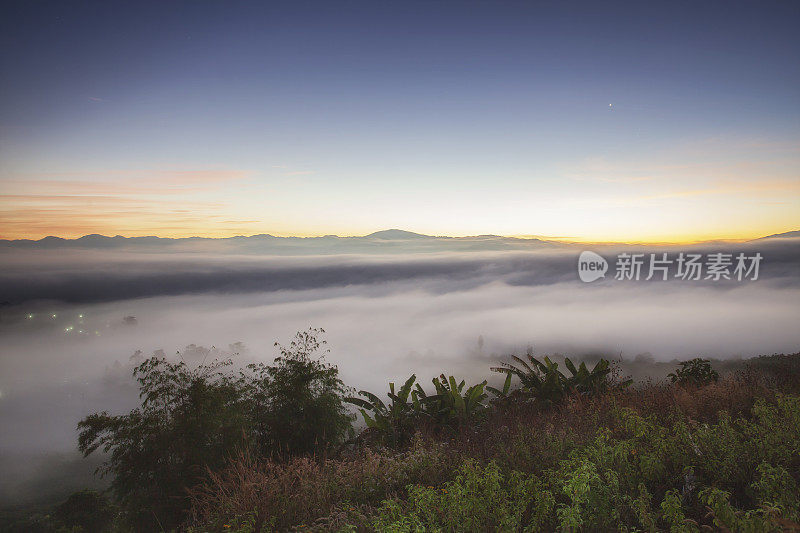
(640,121)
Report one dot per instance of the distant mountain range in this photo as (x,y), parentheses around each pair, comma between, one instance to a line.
(390,240)
(385,241)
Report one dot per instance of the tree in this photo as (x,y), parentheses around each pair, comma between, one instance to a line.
(298,403)
(189,420)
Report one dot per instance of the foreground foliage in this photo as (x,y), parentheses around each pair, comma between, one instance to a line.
(740,474)
(192,421)
(724,456)
(267,449)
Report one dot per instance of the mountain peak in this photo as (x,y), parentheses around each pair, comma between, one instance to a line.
(397,234)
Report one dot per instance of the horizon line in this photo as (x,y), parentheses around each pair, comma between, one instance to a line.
(412,234)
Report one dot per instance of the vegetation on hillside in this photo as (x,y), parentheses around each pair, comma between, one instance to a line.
(271,448)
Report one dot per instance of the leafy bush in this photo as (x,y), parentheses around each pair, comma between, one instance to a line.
(478,499)
(697,372)
(774,488)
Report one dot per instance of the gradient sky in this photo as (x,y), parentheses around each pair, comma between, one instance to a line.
(221,118)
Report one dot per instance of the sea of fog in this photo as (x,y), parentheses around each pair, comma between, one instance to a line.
(75,321)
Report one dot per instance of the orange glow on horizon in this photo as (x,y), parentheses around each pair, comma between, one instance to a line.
(229,203)
(79,230)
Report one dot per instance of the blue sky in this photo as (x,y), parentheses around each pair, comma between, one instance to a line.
(305,118)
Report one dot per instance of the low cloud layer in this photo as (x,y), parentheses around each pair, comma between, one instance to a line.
(385,317)
(91,275)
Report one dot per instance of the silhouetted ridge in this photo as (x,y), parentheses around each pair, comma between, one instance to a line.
(391,234)
(784,235)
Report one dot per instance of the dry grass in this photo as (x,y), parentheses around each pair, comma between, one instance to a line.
(302,490)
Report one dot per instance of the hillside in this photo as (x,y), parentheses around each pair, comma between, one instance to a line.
(548,450)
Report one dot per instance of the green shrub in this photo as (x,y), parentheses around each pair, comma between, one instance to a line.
(726,517)
(478,499)
(697,372)
(673,515)
(775,488)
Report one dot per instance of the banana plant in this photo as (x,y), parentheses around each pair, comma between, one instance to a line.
(585,381)
(539,379)
(544,381)
(396,420)
(504,392)
(451,403)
